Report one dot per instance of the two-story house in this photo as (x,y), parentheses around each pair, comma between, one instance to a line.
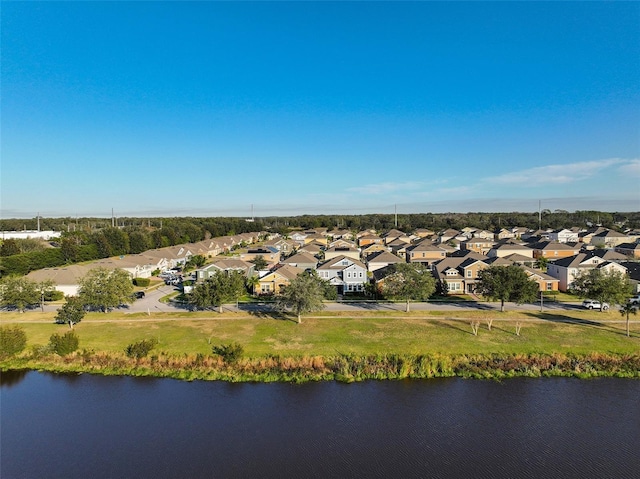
(348,275)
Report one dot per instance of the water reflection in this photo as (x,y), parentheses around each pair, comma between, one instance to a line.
(11,378)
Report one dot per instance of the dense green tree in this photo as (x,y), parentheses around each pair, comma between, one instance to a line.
(13,340)
(409,281)
(260,263)
(102,289)
(71,312)
(19,292)
(303,294)
(252,282)
(139,242)
(9,247)
(625,310)
(611,287)
(507,283)
(223,287)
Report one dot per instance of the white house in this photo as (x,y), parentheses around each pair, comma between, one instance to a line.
(347,274)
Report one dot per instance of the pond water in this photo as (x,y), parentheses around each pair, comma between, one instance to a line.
(80,426)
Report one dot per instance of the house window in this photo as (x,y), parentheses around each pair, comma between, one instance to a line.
(264,288)
(549,286)
(469,273)
(361,274)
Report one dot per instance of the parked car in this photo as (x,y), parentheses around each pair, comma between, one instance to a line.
(594,304)
(138,294)
(635,300)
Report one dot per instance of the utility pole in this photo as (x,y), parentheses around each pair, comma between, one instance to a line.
(112,218)
(539,214)
(38,218)
(395,209)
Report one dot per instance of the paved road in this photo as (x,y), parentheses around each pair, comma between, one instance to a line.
(151,304)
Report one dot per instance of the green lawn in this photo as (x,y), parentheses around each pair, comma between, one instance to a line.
(328,334)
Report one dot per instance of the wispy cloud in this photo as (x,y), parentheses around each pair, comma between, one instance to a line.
(558,174)
(631,168)
(384,188)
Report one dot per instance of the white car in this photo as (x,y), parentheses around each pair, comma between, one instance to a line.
(594,304)
(635,300)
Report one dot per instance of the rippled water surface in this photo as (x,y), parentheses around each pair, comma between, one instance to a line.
(91,426)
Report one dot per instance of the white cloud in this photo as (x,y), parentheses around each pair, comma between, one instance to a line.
(558,174)
(631,168)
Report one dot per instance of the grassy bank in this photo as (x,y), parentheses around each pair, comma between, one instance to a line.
(366,345)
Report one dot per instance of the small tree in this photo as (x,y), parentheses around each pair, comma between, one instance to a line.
(230,353)
(409,281)
(252,282)
(64,344)
(71,312)
(611,287)
(13,340)
(507,283)
(259,262)
(627,309)
(141,348)
(302,295)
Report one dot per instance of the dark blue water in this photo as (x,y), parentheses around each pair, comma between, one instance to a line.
(118,427)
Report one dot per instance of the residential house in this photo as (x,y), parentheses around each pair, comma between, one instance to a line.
(545,281)
(269,253)
(423,232)
(66,278)
(302,260)
(369,239)
(340,234)
(285,246)
(381,259)
(483,234)
(633,273)
(459,273)
(299,238)
(504,233)
(629,249)
(226,265)
(347,274)
(564,236)
(566,270)
(394,235)
(399,247)
(425,252)
(274,281)
(374,248)
(342,242)
(312,248)
(609,239)
(506,249)
(554,249)
(342,251)
(478,245)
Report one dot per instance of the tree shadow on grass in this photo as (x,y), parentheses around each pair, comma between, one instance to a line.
(453,324)
(276,315)
(558,318)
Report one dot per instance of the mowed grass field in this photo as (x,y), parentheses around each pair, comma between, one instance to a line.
(330,334)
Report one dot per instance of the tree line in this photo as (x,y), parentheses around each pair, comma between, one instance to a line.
(92,239)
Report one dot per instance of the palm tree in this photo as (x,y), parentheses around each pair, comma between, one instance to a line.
(627,309)
(252,282)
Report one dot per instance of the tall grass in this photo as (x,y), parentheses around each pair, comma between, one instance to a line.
(345,368)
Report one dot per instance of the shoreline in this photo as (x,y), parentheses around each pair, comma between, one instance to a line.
(342,368)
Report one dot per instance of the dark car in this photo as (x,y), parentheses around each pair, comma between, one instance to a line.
(138,294)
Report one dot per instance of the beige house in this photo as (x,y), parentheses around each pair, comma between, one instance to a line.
(275,281)
(302,260)
(381,259)
(342,251)
(477,245)
(425,252)
(555,249)
(506,249)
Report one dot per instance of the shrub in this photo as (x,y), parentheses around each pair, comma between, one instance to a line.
(13,340)
(141,348)
(230,353)
(53,295)
(65,344)
(142,282)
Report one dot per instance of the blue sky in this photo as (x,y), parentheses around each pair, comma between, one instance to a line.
(207,108)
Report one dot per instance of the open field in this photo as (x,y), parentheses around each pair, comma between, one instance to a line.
(361,333)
